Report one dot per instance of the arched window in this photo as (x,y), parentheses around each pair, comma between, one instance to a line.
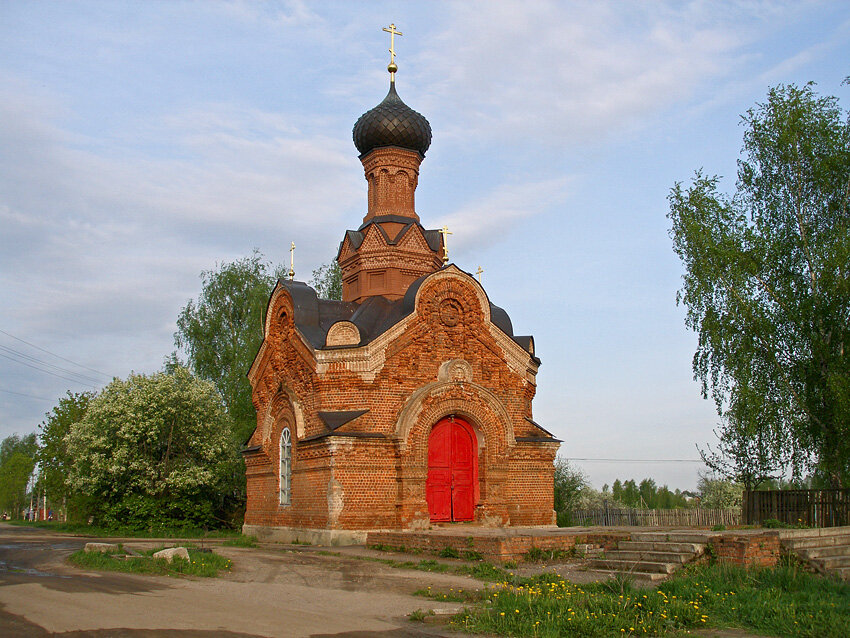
(285,467)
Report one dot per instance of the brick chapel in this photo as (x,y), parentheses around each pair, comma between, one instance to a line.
(408,403)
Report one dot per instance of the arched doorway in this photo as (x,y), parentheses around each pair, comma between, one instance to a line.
(452,471)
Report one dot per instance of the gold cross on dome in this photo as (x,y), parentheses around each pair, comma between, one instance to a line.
(391,67)
(478,272)
(292,262)
(444,231)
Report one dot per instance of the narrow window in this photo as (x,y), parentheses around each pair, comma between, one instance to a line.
(285,467)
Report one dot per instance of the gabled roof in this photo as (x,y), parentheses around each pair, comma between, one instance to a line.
(356,237)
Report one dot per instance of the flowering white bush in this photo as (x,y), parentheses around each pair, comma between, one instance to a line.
(718,493)
(154,451)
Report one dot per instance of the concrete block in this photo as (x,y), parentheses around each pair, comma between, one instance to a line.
(171,553)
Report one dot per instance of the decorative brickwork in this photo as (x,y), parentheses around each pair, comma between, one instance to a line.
(371,472)
(392,174)
(391,251)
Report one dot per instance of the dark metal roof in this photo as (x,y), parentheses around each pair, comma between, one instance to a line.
(537,439)
(539,427)
(356,237)
(399,219)
(348,435)
(252,449)
(338,418)
(373,316)
(392,123)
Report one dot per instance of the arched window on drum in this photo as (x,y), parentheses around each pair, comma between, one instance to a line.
(285,467)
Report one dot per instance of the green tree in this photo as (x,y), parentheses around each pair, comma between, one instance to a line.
(154,452)
(53,458)
(617,490)
(17,461)
(631,494)
(648,493)
(645,494)
(327,280)
(26,445)
(222,331)
(570,482)
(767,288)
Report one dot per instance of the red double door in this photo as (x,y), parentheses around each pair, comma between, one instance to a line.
(452,471)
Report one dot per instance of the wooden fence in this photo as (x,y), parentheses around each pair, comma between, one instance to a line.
(813,508)
(685,517)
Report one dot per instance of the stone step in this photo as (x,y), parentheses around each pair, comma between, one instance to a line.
(680,558)
(816,541)
(786,534)
(834,562)
(671,537)
(646,546)
(629,566)
(829,550)
(649,576)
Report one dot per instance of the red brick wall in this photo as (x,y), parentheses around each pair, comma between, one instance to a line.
(369,483)
(755,550)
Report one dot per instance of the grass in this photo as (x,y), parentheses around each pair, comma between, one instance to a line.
(241,541)
(479,570)
(538,555)
(784,601)
(419,616)
(451,595)
(206,564)
(445,552)
(92,530)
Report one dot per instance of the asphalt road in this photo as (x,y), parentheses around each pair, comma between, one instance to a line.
(269,592)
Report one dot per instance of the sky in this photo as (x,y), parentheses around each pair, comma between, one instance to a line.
(142,143)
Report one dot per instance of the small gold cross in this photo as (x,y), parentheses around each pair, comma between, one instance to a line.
(292,262)
(478,272)
(391,67)
(444,231)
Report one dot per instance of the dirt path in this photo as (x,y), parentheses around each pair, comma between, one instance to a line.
(269,592)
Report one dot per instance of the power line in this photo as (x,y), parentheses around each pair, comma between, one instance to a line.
(49,365)
(24,363)
(79,365)
(638,460)
(31,396)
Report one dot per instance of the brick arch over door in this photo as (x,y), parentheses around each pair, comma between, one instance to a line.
(480,407)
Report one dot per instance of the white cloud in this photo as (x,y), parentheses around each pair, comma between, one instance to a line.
(110,239)
(561,73)
(487,218)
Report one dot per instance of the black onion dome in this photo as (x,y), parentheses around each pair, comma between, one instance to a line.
(392,123)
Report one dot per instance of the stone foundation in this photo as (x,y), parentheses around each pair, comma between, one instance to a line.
(305,536)
(497,546)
